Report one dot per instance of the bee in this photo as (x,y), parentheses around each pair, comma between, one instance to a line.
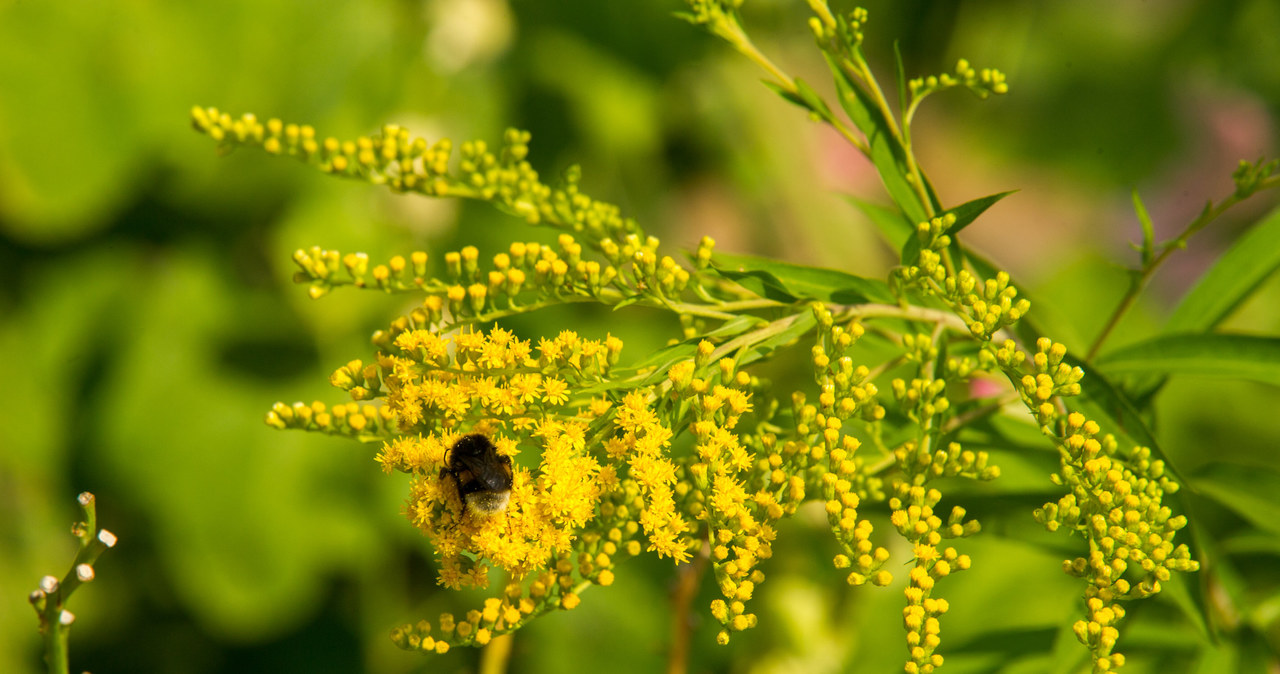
(481,475)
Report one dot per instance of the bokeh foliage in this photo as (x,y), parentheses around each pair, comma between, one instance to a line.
(146,308)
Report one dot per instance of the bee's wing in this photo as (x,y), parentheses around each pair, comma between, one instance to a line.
(491,469)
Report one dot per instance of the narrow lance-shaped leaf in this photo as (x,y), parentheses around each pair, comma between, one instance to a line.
(1231,280)
(1148,231)
(892,223)
(886,152)
(965,214)
(787,283)
(1249,491)
(804,97)
(1232,356)
(802,323)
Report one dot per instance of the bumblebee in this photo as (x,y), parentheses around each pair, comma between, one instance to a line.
(481,475)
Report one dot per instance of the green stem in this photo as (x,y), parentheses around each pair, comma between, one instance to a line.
(754,337)
(49,602)
(910,313)
(731,31)
(55,645)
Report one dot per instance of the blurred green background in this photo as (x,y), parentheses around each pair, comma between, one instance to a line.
(148,318)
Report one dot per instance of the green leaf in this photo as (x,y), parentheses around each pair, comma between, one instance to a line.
(965,214)
(1148,231)
(1249,491)
(887,153)
(892,223)
(901,72)
(1231,280)
(731,328)
(787,95)
(1183,590)
(928,189)
(813,99)
(627,301)
(1205,549)
(1249,357)
(969,211)
(804,96)
(662,359)
(788,283)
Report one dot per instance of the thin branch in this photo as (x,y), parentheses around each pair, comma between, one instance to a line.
(1139,281)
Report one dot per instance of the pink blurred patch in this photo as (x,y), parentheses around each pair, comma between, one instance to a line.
(984,388)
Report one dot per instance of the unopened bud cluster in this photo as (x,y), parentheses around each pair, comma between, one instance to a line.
(845,391)
(352,420)
(985,306)
(406,164)
(914,517)
(838,33)
(1116,503)
(981,82)
(1052,379)
(1249,177)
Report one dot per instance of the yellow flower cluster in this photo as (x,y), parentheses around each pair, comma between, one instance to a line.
(546,510)
(440,387)
(923,399)
(990,307)
(562,525)
(741,484)
(932,238)
(845,391)
(1115,499)
(661,275)
(528,272)
(527,275)
(837,33)
(641,442)
(433,382)
(914,517)
(1116,503)
(843,485)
